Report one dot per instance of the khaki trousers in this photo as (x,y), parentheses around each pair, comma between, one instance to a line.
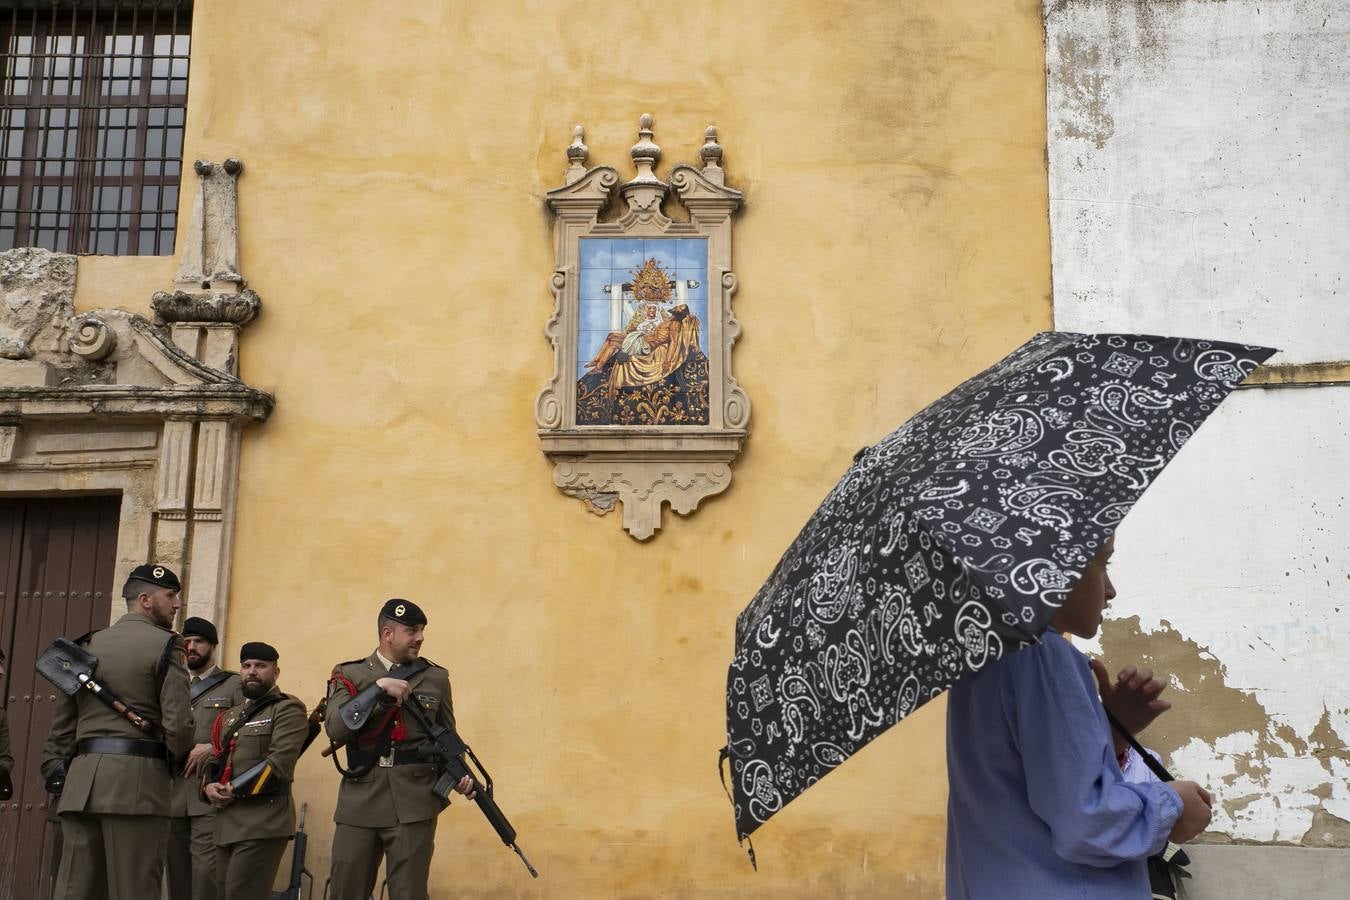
(407,853)
(248,868)
(125,853)
(192,858)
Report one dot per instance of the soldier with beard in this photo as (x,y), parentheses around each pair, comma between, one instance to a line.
(192,835)
(248,776)
(386,807)
(115,804)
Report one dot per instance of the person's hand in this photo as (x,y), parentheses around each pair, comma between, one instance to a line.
(394,687)
(1197,808)
(465,787)
(219,795)
(1133,698)
(196,758)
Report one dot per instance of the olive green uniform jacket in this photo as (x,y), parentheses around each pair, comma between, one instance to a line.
(143,665)
(277,734)
(387,796)
(187,789)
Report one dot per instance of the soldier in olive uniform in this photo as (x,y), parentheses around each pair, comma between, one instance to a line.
(6,759)
(192,831)
(254,749)
(114,807)
(386,807)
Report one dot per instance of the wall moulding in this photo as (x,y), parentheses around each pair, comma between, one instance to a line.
(642,409)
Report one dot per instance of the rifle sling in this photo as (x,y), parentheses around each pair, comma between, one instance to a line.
(201,687)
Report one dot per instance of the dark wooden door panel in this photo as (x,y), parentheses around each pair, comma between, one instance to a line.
(57,557)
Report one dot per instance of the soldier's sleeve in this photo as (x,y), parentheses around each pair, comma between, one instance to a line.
(446,714)
(60,743)
(337,731)
(175,701)
(212,764)
(290,727)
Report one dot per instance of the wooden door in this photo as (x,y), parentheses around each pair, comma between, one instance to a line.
(56,579)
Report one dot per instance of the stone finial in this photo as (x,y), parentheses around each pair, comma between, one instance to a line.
(577,151)
(711,151)
(645,152)
(211,246)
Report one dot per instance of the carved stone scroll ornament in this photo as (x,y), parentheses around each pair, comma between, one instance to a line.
(642,408)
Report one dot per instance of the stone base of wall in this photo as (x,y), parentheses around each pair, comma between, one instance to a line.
(1229,871)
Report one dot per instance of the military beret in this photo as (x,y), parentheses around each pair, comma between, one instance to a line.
(196,626)
(258,650)
(154,573)
(404,611)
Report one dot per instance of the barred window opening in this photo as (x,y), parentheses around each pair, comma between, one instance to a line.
(93,95)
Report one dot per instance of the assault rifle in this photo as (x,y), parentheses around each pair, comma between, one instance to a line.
(443,747)
(447,750)
(298,871)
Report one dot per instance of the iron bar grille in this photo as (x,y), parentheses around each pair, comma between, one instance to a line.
(91,127)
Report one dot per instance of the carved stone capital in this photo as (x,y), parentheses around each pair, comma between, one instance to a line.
(201,307)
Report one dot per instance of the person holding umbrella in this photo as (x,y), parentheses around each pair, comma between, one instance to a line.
(956,553)
(1038,805)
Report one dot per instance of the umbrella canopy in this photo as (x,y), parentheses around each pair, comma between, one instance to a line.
(952,542)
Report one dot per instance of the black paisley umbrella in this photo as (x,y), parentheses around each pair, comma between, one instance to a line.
(952,542)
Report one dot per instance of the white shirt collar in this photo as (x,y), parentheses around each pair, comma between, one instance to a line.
(384,662)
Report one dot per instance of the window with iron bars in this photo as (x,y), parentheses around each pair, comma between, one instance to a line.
(93,95)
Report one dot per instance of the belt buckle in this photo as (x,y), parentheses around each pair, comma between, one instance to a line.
(387,761)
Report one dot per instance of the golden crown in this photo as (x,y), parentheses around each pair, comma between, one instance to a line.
(651,282)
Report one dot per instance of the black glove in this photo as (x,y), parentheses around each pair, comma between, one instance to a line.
(56,782)
(6,786)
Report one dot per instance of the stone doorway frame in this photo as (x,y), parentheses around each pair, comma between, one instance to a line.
(110,402)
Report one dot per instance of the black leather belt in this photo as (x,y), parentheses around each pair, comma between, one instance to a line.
(403,756)
(122,747)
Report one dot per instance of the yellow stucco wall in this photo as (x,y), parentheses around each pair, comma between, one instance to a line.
(894,241)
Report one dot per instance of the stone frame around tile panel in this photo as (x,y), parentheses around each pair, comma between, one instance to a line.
(642,467)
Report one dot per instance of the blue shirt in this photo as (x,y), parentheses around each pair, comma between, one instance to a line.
(1037,805)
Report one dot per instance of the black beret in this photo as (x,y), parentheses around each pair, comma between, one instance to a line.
(404,611)
(258,650)
(154,573)
(195,626)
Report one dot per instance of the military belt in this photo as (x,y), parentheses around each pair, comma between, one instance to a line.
(122,747)
(403,756)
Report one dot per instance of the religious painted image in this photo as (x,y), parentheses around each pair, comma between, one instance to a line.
(640,355)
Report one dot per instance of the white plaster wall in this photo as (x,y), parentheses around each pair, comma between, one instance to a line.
(1199,173)
(1200,184)
(1241,547)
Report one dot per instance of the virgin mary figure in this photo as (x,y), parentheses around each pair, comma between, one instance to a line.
(655,342)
